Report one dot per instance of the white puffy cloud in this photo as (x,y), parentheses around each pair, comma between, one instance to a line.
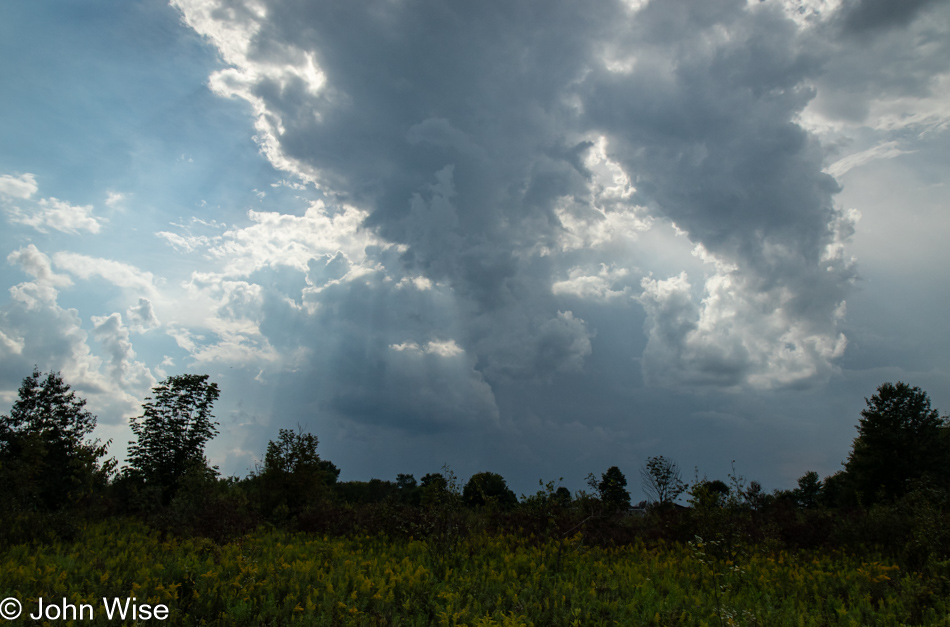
(736,335)
(45,213)
(52,213)
(224,322)
(118,273)
(23,186)
(599,286)
(276,239)
(142,316)
(36,329)
(43,290)
(11,345)
(125,371)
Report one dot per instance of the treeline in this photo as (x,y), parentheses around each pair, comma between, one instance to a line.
(893,494)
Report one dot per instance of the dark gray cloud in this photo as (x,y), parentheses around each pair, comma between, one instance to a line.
(464,130)
(860,16)
(877,57)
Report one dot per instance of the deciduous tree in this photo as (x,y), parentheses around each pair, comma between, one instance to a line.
(661,480)
(899,440)
(46,458)
(294,477)
(486,488)
(172,431)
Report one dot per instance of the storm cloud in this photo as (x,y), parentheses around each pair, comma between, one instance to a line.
(471,137)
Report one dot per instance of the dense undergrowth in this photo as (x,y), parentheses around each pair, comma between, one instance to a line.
(274,577)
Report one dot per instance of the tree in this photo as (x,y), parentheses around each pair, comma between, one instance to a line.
(900,438)
(706,494)
(808,494)
(294,477)
(435,481)
(661,480)
(46,460)
(486,488)
(613,489)
(172,431)
(295,452)
(47,406)
(407,489)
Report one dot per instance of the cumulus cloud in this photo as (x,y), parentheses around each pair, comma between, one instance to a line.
(46,213)
(22,186)
(126,373)
(43,289)
(36,329)
(142,316)
(115,199)
(446,348)
(275,239)
(118,273)
(224,326)
(52,213)
(598,286)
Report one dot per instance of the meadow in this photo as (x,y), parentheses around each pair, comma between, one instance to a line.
(274,577)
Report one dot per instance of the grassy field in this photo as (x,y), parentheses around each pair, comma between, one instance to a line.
(276,578)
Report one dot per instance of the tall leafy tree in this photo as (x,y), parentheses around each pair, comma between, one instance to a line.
(172,431)
(46,458)
(900,438)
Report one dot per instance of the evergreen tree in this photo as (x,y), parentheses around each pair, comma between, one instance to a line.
(613,489)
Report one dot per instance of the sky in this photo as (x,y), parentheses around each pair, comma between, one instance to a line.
(538,238)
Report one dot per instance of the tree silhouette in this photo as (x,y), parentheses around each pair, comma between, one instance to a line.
(46,460)
(613,489)
(661,480)
(294,477)
(899,439)
(172,431)
(486,488)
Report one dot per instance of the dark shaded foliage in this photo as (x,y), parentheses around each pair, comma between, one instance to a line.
(50,470)
(899,440)
(45,439)
(488,489)
(612,489)
(293,478)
